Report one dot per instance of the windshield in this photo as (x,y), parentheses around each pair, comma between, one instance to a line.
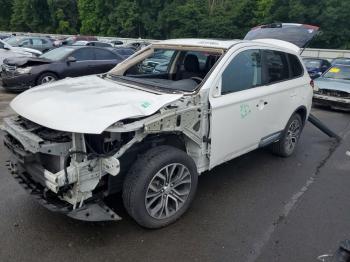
(312,63)
(341,61)
(171,69)
(338,72)
(57,54)
(13,40)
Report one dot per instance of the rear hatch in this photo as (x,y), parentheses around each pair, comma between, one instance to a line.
(297,34)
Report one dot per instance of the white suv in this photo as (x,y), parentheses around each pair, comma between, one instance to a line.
(150,133)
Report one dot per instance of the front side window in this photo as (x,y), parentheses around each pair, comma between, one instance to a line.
(243,72)
(275,66)
(26,42)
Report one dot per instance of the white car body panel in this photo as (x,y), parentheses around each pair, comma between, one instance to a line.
(240,120)
(87,104)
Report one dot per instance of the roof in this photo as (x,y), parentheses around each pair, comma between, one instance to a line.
(214,43)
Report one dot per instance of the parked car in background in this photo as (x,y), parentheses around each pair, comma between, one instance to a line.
(138,45)
(341,61)
(42,44)
(316,66)
(92,43)
(4,36)
(148,135)
(6,51)
(72,39)
(333,88)
(21,73)
(116,42)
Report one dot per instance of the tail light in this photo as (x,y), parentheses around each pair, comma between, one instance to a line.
(312,84)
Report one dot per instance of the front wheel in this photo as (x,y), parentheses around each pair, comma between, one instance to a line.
(160,187)
(286,146)
(46,78)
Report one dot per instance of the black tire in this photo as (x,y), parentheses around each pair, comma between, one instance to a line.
(42,77)
(283,147)
(138,180)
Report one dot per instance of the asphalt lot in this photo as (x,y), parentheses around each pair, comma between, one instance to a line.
(255,208)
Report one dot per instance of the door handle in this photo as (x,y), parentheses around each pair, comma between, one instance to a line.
(262,104)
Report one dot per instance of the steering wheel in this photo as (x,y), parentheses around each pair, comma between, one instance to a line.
(197,79)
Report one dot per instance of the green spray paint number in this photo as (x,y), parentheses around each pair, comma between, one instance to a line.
(245,111)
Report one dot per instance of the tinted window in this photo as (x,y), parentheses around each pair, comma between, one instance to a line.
(296,67)
(243,72)
(84,54)
(104,55)
(275,66)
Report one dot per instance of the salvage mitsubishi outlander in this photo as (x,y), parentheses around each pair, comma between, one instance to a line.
(156,121)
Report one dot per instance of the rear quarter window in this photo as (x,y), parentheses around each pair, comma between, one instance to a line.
(295,66)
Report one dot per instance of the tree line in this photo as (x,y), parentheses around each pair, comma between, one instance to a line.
(161,19)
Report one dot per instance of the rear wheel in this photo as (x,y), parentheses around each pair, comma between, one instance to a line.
(160,186)
(46,78)
(286,146)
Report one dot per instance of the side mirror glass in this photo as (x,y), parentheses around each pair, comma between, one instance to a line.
(71,59)
(6,47)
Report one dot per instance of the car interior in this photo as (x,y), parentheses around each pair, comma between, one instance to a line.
(173,69)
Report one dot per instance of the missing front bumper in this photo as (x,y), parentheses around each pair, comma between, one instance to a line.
(94,210)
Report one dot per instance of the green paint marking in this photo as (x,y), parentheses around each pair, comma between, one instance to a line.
(145,104)
(245,111)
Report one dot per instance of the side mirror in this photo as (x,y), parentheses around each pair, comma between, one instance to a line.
(71,59)
(7,47)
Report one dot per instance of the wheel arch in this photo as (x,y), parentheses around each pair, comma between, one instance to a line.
(302,111)
(45,72)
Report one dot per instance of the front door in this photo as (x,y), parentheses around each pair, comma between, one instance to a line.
(237,123)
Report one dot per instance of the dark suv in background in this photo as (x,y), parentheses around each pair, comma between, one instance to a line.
(21,73)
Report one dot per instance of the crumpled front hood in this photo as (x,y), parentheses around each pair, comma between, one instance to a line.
(23,60)
(87,104)
(333,84)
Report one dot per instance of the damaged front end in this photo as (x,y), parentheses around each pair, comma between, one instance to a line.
(58,169)
(73,173)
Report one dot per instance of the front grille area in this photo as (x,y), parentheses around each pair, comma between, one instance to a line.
(9,68)
(334,93)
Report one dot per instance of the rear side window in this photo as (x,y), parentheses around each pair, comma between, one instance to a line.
(37,41)
(243,72)
(275,66)
(101,54)
(84,54)
(295,66)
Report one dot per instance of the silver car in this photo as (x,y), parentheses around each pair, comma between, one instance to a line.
(333,88)
(42,44)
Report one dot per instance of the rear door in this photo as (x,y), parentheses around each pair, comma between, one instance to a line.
(282,89)
(105,60)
